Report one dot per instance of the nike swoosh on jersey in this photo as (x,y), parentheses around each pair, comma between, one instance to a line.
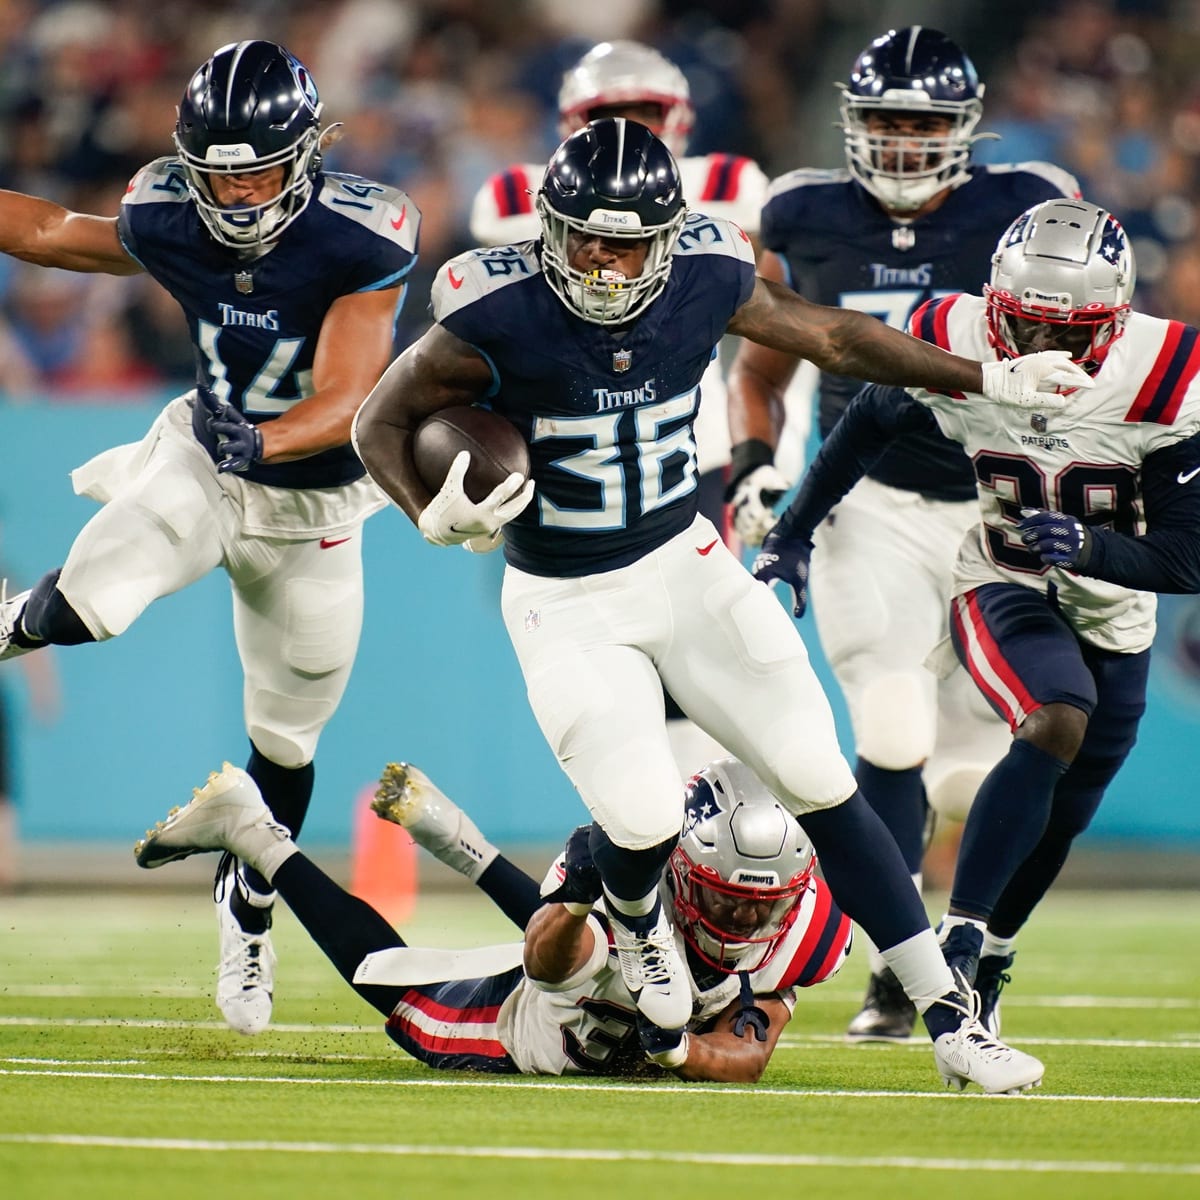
(703,550)
(397,222)
(455,281)
(1187,477)
(329,543)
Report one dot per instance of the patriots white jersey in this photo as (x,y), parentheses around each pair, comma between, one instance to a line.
(1084,460)
(583,1024)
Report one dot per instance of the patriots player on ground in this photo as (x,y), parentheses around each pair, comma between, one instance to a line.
(593,342)
(908,219)
(290,280)
(628,79)
(753,924)
(1084,513)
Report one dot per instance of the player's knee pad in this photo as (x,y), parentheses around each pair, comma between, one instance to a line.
(951,787)
(896,721)
(321,626)
(286,745)
(805,777)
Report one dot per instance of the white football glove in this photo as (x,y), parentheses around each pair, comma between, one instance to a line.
(1030,381)
(753,503)
(485,543)
(450,518)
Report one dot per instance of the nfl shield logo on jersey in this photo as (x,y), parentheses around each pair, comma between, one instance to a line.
(1038,423)
(903,237)
(244,282)
(622,360)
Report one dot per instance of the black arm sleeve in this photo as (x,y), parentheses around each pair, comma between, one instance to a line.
(1167,557)
(872,420)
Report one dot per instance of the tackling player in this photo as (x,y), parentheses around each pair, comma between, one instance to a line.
(1083,514)
(909,218)
(593,342)
(290,279)
(753,924)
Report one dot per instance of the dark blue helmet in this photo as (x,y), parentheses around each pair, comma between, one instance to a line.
(613,178)
(914,71)
(252,106)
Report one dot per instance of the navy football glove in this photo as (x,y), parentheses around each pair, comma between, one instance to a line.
(574,879)
(785,559)
(239,442)
(1057,539)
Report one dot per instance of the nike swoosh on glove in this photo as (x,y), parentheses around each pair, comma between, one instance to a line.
(239,441)
(1035,380)
(785,560)
(1057,539)
(451,518)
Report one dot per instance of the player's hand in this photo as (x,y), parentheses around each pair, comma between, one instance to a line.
(667,1047)
(239,441)
(753,502)
(1057,539)
(574,878)
(1035,380)
(786,560)
(451,518)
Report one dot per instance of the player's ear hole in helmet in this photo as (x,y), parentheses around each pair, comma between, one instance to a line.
(618,74)
(251,107)
(1062,279)
(740,870)
(614,180)
(909,112)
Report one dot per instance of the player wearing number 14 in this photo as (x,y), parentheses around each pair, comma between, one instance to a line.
(290,279)
(593,342)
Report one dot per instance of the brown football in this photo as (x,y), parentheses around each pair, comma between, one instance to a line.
(496,445)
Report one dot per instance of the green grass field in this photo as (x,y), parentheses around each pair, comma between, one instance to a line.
(117,1078)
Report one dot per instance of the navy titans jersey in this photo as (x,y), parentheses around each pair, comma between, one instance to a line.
(607,414)
(254,322)
(840,248)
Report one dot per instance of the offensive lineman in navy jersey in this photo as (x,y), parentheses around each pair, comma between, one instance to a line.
(291,280)
(593,341)
(908,219)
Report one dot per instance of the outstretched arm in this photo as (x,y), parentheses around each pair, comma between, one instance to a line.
(48,235)
(856,344)
(436,372)
(722,1056)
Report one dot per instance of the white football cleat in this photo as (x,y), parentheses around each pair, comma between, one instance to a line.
(10,610)
(972,1055)
(246,972)
(652,968)
(406,796)
(227,813)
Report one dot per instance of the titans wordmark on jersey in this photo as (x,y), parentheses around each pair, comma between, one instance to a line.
(1096,459)
(838,247)
(254,323)
(608,415)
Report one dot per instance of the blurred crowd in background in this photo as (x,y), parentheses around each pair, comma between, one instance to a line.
(438,94)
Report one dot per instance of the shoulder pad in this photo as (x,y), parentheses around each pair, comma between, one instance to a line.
(478,273)
(804,177)
(158,182)
(704,234)
(384,210)
(1066,183)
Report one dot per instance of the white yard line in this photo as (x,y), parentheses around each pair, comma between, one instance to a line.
(573,1154)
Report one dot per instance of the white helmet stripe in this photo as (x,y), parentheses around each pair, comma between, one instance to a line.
(237,58)
(620,147)
(913,34)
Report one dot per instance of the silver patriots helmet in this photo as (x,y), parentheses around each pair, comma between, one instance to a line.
(740,870)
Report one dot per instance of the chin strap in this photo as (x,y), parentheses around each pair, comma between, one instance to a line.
(750,1014)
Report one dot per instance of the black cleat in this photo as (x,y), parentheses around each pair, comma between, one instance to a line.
(887,1014)
(989,983)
